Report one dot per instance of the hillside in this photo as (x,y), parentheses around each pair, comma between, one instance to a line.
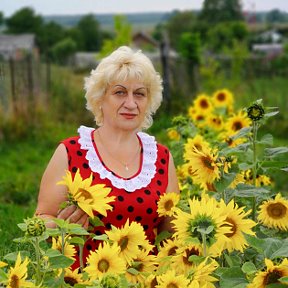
(144,20)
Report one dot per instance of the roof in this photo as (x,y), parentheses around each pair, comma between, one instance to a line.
(9,44)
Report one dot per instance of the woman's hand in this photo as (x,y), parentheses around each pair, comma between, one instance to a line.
(74,214)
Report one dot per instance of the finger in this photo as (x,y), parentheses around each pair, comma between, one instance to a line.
(86,224)
(66,212)
(76,216)
(84,220)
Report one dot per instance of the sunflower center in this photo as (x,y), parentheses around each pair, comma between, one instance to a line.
(232,226)
(200,117)
(172,251)
(14,281)
(276,210)
(138,265)
(153,283)
(172,285)
(103,265)
(168,205)
(188,253)
(207,162)
(272,277)
(204,104)
(237,125)
(221,97)
(123,242)
(85,193)
(70,280)
(200,224)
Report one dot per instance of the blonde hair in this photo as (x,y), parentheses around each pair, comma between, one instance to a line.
(121,65)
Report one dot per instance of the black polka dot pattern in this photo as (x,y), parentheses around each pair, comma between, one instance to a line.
(139,206)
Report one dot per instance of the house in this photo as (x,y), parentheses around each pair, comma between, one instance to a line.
(270,36)
(143,41)
(17,46)
(268,49)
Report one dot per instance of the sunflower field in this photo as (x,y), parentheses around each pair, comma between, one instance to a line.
(230,222)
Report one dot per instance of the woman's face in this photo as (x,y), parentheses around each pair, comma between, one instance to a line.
(124,104)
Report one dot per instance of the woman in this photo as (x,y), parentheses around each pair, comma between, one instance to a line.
(122,92)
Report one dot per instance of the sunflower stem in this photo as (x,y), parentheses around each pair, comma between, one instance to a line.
(254,168)
(203,235)
(81,258)
(38,261)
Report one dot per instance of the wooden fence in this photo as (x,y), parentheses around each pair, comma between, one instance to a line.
(24,86)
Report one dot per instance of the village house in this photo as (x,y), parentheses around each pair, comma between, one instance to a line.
(17,46)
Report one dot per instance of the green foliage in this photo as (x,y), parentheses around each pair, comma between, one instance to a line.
(190,47)
(90,32)
(178,23)
(24,21)
(122,36)
(63,49)
(216,11)
(222,35)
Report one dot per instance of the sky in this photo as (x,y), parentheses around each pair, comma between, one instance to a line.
(62,7)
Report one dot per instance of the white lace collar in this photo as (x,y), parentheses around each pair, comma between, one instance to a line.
(142,179)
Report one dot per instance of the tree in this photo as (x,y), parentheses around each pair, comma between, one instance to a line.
(122,37)
(90,32)
(50,34)
(215,11)
(179,23)
(24,21)
(63,49)
(223,35)
(275,16)
(1,18)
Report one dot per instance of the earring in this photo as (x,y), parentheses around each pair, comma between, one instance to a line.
(100,107)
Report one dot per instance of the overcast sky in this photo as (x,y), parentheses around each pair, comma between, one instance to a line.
(53,7)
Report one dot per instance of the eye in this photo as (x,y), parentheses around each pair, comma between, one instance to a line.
(120,92)
(140,93)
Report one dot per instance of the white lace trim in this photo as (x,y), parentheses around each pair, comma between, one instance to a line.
(148,164)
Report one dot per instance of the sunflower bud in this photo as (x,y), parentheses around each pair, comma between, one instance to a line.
(110,281)
(35,226)
(255,112)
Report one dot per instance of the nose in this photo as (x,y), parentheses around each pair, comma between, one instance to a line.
(130,102)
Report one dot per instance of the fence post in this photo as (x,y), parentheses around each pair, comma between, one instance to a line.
(164,55)
(13,89)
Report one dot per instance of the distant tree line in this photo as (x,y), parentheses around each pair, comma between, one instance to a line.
(219,26)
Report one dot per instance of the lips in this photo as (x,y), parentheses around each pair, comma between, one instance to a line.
(128,115)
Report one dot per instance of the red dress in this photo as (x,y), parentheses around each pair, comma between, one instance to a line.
(136,197)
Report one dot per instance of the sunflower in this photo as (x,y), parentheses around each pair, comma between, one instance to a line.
(202,274)
(131,238)
(87,196)
(105,260)
(143,264)
(171,279)
(240,225)
(181,262)
(198,141)
(271,275)
(17,275)
(205,215)
(199,119)
(73,277)
(203,103)
(223,98)
(236,122)
(191,111)
(273,213)
(215,122)
(167,203)
(227,138)
(69,250)
(173,134)
(3,264)
(205,166)
(168,249)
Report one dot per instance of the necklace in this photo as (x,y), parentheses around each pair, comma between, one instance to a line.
(125,164)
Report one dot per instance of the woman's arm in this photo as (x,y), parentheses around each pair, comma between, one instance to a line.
(51,195)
